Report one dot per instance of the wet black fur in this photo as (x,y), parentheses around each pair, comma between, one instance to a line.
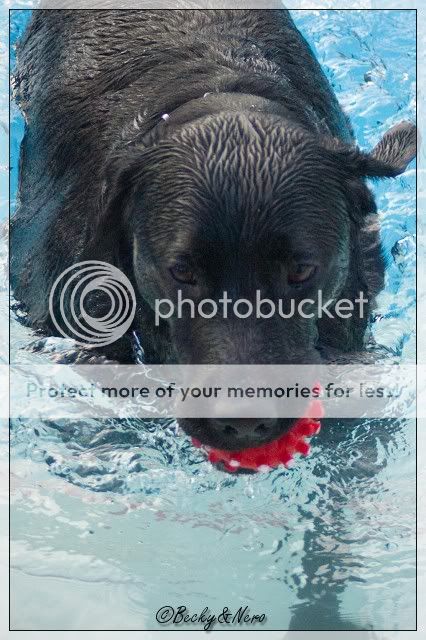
(256,162)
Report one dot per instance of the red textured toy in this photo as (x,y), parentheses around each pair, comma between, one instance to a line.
(272,454)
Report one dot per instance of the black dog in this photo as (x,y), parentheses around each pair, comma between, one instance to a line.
(200,150)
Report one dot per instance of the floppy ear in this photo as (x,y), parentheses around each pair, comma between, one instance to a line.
(394,152)
(103,240)
(389,158)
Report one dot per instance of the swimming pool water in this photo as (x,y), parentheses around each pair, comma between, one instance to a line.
(112,521)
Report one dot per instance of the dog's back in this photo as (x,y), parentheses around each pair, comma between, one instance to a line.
(150,59)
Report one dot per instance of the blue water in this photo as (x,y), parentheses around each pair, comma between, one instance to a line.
(111,521)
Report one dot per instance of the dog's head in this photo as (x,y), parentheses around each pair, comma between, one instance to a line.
(249,207)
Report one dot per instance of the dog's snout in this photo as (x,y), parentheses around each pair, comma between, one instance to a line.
(244,431)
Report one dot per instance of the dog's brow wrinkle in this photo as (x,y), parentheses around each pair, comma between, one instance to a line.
(228,163)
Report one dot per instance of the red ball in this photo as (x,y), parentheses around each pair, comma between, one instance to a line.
(272,454)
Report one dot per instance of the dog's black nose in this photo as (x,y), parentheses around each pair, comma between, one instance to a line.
(243,432)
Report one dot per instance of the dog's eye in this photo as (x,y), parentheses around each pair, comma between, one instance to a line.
(182,273)
(301,273)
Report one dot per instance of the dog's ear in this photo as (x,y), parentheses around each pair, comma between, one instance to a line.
(392,155)
(389,158)
(115,190)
